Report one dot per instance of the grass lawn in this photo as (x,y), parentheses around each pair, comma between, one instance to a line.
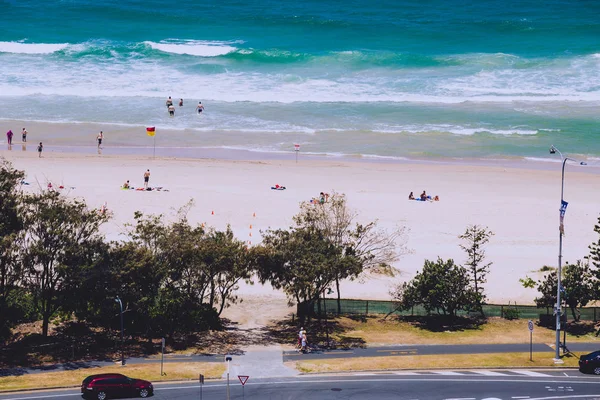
(376,331)
(496,360)
(150,372)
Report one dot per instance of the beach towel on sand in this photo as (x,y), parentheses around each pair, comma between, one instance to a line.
(277,187)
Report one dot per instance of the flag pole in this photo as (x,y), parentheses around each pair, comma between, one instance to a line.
(154,151)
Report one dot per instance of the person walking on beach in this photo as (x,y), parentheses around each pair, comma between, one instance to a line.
(40,149)
(199,107)
(24,135)
(146,178)
(180,102)
(169,102)
(9,136)
(99,138)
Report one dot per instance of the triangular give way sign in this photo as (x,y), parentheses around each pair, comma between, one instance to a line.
(243,379)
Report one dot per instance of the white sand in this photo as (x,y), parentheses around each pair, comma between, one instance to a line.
(519,205)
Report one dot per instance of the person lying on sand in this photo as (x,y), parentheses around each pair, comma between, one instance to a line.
(126,185)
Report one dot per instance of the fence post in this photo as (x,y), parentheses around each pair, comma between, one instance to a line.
(595,314)
(502,311)
(412,311)
(367,309)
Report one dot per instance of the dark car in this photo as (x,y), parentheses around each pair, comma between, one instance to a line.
(590,363)
(104,386)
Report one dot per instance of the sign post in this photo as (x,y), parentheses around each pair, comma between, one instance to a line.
(162,357)
(530,326)
(297,150)
(201,379)
(228,359)
(243,379)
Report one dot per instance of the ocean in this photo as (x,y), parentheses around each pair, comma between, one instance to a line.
(389,79)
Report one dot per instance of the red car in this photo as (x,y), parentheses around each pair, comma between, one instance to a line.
(104,386)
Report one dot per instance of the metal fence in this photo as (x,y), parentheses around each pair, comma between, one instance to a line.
(369,307)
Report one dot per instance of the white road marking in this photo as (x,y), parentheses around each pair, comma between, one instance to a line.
(489,373)
(406,373)
(447,373)
(520,397)
(461,398)
(528,373)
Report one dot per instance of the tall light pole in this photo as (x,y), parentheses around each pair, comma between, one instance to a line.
(118,300)
(563,208)
(329,291)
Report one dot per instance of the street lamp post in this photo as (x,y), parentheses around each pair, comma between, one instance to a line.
(118,300)
(563,206)
(329,291)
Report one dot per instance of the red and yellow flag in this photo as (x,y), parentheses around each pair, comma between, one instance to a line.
(150,130)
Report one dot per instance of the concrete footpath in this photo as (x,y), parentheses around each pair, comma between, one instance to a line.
(268,361)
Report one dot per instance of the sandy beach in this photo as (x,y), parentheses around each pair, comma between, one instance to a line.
(520,205)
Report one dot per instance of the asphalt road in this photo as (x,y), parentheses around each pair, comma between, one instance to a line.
(372,386)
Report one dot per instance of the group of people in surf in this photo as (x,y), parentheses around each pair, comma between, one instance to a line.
(171,107)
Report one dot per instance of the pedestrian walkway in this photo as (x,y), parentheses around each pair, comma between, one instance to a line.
(260,362)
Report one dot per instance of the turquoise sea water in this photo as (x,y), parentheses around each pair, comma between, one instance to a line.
(385,78)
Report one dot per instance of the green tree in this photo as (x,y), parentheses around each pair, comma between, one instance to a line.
(475,238)
(375,249)
(11,235)
(303,262)
(61,236)
(577,288)
(594,256)
(442,287)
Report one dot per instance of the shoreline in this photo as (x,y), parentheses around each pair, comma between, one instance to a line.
(241,155)
(170,143)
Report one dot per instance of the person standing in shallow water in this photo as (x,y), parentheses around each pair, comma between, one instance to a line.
(40,149)
(9,136)
(24,135)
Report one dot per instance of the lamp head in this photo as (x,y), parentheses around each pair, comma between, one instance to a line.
(117,299)
(582,163)
(552,149)
(228,358)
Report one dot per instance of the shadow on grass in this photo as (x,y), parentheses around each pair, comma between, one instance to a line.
(321,334)
(443,323)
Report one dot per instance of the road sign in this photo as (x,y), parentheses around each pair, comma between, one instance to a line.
(297,147)
(530,325)
(162,342)
(201,379)
(243,379)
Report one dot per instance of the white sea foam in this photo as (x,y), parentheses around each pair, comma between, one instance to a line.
(31,48)
(544,159)
(460,130)
(194,47)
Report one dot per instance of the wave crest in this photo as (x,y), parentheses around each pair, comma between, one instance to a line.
(31,48)
(193,48)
